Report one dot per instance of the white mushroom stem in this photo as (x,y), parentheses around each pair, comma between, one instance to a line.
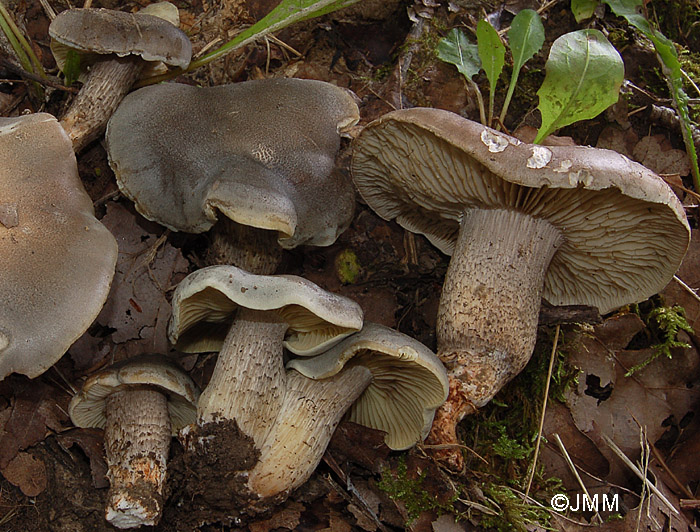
(248,382)
(487,320)
(249,248)
(137,441)
(108,82)
(310,414)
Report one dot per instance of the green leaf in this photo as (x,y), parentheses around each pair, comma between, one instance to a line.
(525,37)
(492,53)
(584,75)
(287,12)
(631,10)
(583,9)
(71,68)
(456,49)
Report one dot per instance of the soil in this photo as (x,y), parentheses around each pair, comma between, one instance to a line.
(383,50)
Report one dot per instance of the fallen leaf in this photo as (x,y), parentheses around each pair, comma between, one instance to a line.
(27,473)
(91,441)
(286,518)
(34,413)
(605,402)
(137,310)
(614,138)
(656,153)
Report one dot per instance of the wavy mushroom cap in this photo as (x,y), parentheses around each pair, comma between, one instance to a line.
(57,260)
(261,153)
(87,408)
(151,34)
(408,382)
(625,232)
(205,302)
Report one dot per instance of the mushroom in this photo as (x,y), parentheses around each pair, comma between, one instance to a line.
(261,153)
(141,403)
(273,311)
(114,48)
(570,224)
(57,260)
(382,378)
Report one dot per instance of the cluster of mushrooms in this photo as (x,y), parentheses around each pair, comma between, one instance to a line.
(570,225)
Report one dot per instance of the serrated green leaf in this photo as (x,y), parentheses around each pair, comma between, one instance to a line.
(584,73)
(525,38)
(492,53)
(456,49)
(583,9)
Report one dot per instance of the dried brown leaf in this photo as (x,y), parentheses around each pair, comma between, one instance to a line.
(137,309)
(605,402)
(27,473)
(35,412)
(91,441)
(655,152)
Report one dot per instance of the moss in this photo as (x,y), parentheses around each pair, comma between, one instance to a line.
(504,433)
(416,500)
(663,326)
(512,513)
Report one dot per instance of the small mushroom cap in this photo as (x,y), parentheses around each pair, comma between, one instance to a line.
(87,408)
(260,152)
(204,305)
(150,33)
(625,230)
(408,382)
(57,260)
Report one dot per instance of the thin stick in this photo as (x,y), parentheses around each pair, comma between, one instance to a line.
(639,474)
(574,470)
(673,476)
(686,287)
(544,410)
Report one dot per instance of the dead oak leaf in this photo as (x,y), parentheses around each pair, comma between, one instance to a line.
(656,153)
(606,402)
(137,310)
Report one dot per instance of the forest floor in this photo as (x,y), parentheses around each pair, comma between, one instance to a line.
(385,51)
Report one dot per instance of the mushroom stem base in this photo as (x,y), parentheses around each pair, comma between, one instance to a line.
(248,382)
(137,441)
(107,84)
(487,320)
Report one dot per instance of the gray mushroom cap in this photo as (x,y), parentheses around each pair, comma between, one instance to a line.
(408,381)
(147,33)
(205,302)
(625,232)
(57,260)
(87,408)
(260,152)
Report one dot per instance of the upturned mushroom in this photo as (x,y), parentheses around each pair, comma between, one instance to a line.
(271,312)
(57,260)
(570,224)
(378,378)
(140,403)
(113,48)
(259,156)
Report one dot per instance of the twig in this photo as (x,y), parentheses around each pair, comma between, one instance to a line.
(571,465)
(34,77)
(671,474)
(639,474)
(686,287)
(544,410)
